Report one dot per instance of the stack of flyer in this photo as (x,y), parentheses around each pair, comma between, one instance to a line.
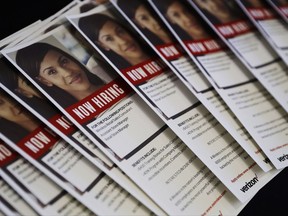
(155,107)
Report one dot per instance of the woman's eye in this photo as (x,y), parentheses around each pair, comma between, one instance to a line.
(64,61)
(121,31)
(144,18)
(108,39)
(51,72)
(174,15)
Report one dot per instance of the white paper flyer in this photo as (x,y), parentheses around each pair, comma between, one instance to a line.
(131,134)
(63,164)
(236,30)
(262,116)
(39,191)
(269,23)
(167,96)
(180,62)
(12,203)
(246,97)
(281,7)
(21,89)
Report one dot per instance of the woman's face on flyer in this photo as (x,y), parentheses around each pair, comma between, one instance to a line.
(179,15)
(113,37)
(10,110)
(145,19)
(26,89)
(59,70)
(255,3)
(215,7)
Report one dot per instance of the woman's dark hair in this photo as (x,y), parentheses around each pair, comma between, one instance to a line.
(163,5)
(10,77)
(12,131)
(30,58)
(130,6)
(91,25)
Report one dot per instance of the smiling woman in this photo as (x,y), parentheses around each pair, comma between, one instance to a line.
(65,78)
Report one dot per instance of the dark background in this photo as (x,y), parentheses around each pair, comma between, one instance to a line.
(15,15)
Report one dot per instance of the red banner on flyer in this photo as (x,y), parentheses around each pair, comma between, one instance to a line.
(170,51)
(99,101)
(202,47)
(234,29)
(140,73)
(284,10)
(38,142)
(63,124)
(261,13)
(6,154)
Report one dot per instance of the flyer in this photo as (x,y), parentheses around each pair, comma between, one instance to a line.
(269,23)
(246,97)
(137,13)
(169,98)
(281,7)
(21,89)
(41,107)
(12,203)
(24,183)
(242,37)
(63,164)
(260,114)
(124,127)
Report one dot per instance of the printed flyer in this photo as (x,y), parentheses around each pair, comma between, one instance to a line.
(243,38)
(139,12)
(161,89)
(246,97)
(60,124)
(12,203)
(269,23)
(124,127)
(32,185)
(281,7)
(21,89)
(63,164)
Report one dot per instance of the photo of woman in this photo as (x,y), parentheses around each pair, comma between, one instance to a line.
(15,121)
(145,19)
(183,19)
(25,90)
(113,39)
(218,11)
(59,73)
